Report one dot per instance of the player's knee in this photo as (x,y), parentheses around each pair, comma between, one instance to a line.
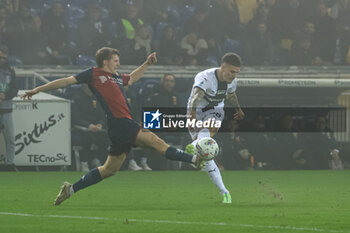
(111,172)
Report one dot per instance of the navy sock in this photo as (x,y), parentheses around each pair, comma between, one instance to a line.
(92,177)
(173,153)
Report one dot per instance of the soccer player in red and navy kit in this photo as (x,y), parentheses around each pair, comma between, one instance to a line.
(107,84)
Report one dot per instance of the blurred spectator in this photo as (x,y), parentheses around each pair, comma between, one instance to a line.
(219,22)
(246,10)
(198,22)
(55,28)
(303,53)
(340,11)
(18,26)
(261,16)
(268,3)
(288,146)
(260,143)
(4,37)
(10,6)
(8,90)
(156,12)
(226,23)
(259,48)
(36,50)
(89,128)
(322,150)
(325,33)
(280,24)
(169,48)
(128,23)
(164,95)
(234,148)
(93,31)
(143,45)
(342,45)
(307,29)
(196,49)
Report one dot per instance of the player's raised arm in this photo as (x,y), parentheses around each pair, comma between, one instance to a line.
(233,102)
(59,83)
(139,71)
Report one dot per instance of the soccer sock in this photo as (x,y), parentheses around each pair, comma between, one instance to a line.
(211,168)
(204,133)
(173,153)
(214,174)
(92,177)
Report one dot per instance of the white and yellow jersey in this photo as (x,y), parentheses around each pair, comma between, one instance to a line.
(212,105)
(215,91)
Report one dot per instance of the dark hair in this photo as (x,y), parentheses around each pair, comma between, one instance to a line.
(168,74)
(232,59)
(105,53)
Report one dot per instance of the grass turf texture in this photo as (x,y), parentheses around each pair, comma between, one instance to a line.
(183,201)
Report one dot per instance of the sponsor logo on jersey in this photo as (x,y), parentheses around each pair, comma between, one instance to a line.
(103,79)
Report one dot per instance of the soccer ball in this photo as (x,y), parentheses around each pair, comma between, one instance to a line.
(207,148)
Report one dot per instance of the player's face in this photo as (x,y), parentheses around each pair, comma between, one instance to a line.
(229,72)
(112,64)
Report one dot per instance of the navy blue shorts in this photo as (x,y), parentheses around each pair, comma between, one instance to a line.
(122,133)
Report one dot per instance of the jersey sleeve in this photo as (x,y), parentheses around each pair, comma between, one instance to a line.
(126,79)
(84,76)
(202,82)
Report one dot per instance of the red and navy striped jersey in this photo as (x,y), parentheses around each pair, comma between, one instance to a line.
(108,89)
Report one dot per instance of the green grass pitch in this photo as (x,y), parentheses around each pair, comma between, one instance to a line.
(178,201)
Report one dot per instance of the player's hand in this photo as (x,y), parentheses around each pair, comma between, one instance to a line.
(239,115)
(152,59)
(99,127)
(28,94)
(93,128)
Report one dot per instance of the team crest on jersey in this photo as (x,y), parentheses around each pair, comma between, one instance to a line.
(103,79)
(119,81)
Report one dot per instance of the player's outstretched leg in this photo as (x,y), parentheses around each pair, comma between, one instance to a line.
(148,139)
(111,166)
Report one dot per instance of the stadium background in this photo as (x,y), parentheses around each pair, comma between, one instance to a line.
(280,71)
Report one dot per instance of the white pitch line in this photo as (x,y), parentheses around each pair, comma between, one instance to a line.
(292,228)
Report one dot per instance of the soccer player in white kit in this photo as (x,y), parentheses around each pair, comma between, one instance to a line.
(210,89)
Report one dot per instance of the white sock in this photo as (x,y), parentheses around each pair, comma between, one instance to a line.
(71,191)
(210,166)
(214,173)
(204,133)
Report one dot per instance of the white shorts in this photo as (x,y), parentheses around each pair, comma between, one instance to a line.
(215,114)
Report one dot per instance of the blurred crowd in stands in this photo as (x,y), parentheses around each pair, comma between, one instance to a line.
(286,149)
(183,32)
